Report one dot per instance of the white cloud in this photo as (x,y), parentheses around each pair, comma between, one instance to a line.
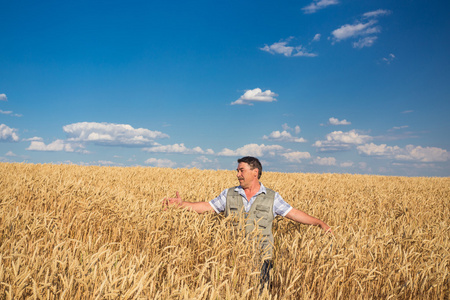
(8,134)
(334,121)
(3,97)
(296,156)
(338,140)
(277,135)
(324,161)
(317,5)
(252,150)
(365,29)
(316,37)
(407,111)
(203,159)
(378,150)
(408,153)
(36,138)
(388,59)
(349,137)
(367,41)
(58,145)
(106,163)
(282,47)
(426,154)
(286,127)
(8,112)
(349,31)
(283,136)
(11,154)
(346,164)
(203,162)
(178,148)
(398,127)
(256,95)
(161,163)
(377,13)
(111,134)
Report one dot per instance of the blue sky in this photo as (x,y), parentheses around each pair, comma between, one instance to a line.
(317,86)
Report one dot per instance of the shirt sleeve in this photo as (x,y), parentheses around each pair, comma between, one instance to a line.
(219,203)
(280,207)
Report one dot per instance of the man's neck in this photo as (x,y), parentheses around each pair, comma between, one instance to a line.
(252,189)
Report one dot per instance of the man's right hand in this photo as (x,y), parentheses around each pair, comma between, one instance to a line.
(199,207)
(173,201)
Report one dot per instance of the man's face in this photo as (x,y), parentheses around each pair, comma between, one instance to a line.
(246,175)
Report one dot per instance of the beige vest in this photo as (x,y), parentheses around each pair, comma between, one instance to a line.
(260,214)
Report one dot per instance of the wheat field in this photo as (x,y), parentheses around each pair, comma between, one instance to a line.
(78,232)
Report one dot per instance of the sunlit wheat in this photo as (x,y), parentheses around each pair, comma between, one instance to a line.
(73,232)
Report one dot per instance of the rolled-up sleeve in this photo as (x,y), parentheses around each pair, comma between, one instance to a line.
(219,203)
(280,207)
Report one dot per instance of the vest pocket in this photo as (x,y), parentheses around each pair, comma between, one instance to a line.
(262,208)
(261,212)
(262,225)
(233,210)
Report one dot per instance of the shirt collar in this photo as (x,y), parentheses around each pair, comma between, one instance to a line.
(262,189)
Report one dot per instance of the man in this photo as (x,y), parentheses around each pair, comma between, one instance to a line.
(258,204)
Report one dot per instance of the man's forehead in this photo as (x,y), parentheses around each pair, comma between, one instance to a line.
(243,165)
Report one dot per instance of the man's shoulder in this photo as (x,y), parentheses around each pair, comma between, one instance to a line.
(233,189)
(267,190)
(270,191)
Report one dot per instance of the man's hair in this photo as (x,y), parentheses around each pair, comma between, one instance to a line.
(253,162)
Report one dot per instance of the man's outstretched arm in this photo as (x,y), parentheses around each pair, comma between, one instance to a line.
(199,207)
(302,217)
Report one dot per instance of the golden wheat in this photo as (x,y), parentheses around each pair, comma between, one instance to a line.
(72,232)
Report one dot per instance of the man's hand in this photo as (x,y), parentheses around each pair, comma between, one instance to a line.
(199,207)
(173,201)
(303,218)
(326,228)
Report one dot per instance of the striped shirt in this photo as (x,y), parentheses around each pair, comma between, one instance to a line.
(280,207)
